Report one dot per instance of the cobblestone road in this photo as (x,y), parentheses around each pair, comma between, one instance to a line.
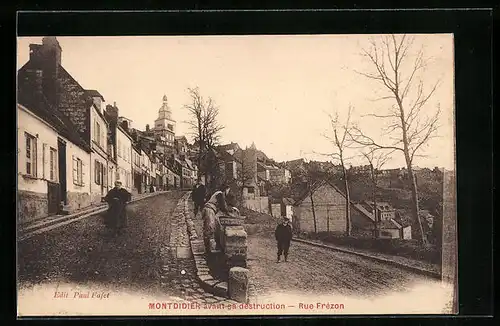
(313,271)
(145,258)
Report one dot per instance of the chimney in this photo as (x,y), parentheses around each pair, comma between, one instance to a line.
(125,125)
(112,113)
(48,56)
(147,127)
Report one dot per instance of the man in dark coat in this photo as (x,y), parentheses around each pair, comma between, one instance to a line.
(123,197)
(198,195)
(283,236)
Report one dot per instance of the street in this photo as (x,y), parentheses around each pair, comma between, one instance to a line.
(141,261)
(313,272)
(137,261)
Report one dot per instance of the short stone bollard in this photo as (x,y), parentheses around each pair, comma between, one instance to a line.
(235,248)
(238,284)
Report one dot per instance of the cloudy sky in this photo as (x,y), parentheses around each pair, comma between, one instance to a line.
(276,91)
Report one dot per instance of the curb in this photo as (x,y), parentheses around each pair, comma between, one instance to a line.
(414,269)
(207,282)
(25,233)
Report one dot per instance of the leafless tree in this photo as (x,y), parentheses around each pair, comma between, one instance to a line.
(203,124)
(410,127)
(376,159)
(341,141)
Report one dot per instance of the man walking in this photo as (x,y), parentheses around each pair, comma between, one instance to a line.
(198,195)
(283,236)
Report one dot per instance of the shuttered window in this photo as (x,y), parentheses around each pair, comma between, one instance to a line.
(53,164)
(78,171)
(31,155)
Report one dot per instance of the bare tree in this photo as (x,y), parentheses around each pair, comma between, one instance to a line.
(307,178)
(204,125)
(341,141)
(409,127)
(376,159)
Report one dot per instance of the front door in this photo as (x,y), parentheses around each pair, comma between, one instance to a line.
(61,150)
(53,197)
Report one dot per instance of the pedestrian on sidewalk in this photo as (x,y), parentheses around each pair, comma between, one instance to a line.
(283,234)
(198,196)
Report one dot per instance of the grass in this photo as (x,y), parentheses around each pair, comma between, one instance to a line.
(397,247)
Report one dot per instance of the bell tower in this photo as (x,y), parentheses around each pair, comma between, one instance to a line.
(165,125)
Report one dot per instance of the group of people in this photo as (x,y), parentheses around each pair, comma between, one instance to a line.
(223,201)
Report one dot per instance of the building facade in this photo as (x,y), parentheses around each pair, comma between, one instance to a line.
(47,179)
(124,158)
(99,156)
(323,211)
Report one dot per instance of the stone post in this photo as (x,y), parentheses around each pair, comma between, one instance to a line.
(234,242)
(238,284)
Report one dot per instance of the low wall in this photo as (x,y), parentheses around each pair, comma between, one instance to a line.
(31,205)
(221,272)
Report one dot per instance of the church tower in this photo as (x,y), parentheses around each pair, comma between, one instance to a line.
(165,125)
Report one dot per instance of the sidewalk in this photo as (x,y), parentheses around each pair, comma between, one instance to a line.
(37,224)
(421,267)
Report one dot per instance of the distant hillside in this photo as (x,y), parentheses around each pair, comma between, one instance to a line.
(397,192)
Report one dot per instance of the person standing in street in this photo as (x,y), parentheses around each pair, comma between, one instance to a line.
(120,197)
(283,236)
(198,195)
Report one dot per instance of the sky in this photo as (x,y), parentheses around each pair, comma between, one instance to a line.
(275,91)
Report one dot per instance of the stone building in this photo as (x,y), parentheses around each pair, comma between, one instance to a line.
(82,107)
(46,179)
(326,205)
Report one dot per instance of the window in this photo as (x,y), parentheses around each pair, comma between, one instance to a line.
(97,133)
(31,155)
(77,171)
(53,164)
(98,172)
(119,148)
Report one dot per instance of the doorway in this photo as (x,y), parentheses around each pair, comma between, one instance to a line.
(61,150)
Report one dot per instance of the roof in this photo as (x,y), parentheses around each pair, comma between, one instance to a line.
(93,93)
(288,201)
(227,157)
(381,205)
(316,187)
(366,213)
(124,131)
(389,224)
(294,163)
(38,104)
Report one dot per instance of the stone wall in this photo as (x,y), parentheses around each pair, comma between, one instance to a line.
(222,272)
(31,205)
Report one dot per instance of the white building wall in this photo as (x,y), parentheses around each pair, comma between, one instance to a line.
(124,159)
(99,143)
(32,190)
(407,233)
(78,193)
(45,136)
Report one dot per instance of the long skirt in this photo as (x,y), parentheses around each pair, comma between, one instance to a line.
(210,230)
